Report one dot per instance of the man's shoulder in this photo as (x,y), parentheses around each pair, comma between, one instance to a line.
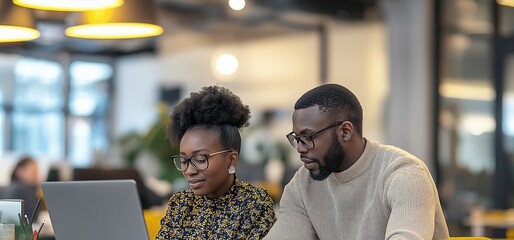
(398,157)
(396,163)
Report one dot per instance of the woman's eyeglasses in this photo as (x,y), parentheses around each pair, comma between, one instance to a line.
(199,161)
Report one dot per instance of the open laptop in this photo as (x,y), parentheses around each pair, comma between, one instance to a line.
(108,209)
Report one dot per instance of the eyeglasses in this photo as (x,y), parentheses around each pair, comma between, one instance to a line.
(199,161)
(308,140)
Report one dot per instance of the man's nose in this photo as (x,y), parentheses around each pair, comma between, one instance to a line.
(301,148)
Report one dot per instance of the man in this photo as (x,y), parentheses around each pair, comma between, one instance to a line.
(351,187)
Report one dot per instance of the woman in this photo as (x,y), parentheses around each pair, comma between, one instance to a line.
(25,183)
(217,206)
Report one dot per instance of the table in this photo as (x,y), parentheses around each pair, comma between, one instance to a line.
(481,219)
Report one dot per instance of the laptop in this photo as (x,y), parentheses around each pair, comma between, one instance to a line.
(108,209)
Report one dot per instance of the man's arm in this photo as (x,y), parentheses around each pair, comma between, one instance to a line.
(293,221)
(412,198)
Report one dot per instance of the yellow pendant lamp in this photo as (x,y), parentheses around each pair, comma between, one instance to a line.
(508,3)
(68,5)
(16,23)
(134,19)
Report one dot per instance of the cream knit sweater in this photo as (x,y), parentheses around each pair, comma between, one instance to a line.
(387,194)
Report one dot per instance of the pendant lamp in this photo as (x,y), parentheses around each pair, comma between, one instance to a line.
(16,23)
(508,3)
(134,19)
(68,5)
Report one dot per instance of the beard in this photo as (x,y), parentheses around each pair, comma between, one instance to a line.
(331,161)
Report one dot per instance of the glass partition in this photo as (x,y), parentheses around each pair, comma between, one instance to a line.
(466,110)
(475,139)
(508,124)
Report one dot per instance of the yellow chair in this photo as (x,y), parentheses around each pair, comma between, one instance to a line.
(274,190)
(510,233)
(469,238)
(153,221)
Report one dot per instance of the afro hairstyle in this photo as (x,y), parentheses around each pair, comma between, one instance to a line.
(213,108)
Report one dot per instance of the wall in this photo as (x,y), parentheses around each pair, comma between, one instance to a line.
(359,61)
(273,72)
(136,94)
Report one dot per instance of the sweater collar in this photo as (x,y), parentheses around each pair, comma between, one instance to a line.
(360,166)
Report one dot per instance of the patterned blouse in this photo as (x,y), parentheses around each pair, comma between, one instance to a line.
(244,212)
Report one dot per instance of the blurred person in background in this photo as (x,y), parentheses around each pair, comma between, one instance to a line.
(217,205)
(351,187)
(264,153)
(25,183)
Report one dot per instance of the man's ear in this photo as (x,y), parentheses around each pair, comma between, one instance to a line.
(347,130)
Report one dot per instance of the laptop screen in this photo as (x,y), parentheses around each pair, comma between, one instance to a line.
(108,209)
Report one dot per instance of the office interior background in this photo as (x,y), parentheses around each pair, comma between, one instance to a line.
(434,77)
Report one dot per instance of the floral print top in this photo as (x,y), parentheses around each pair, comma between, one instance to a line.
(244,212)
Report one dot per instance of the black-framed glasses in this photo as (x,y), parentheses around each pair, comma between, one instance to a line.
(199,161)
(308,140)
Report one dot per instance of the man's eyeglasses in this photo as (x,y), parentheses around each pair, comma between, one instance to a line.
(199,161)
(308,140)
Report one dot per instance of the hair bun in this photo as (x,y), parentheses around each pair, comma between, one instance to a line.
(212,105)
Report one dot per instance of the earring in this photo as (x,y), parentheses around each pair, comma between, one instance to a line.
(232,170)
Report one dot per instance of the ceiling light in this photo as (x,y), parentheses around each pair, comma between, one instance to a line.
(134,19)
(114,30)
(478,124)
(69,5)
(227,64)
(508,3)
(237,4)
(224,66)
(16,23)
(459,90)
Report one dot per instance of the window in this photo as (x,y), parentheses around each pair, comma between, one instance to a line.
(88,107)
(49,115)
(475,133)
(37,116)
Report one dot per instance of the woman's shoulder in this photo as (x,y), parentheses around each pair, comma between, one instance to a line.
(252,192)
(182,196)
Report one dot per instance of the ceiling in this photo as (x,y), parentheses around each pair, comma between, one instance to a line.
(212,18)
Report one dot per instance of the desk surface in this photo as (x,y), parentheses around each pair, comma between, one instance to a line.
(492,218)
(496,218)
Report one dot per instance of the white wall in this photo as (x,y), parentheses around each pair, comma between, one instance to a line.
(136,94)
(359,62)
(274,72)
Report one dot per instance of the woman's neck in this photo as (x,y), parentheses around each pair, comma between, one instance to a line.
(223,189)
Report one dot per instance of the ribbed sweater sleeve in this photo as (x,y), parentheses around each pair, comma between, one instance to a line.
(411,200)
(294,223)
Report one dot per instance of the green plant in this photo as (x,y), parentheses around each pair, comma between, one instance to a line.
(155,143)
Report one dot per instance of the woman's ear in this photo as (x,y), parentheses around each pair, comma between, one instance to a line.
(233,157)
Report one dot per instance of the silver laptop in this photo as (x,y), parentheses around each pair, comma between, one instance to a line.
(81,210)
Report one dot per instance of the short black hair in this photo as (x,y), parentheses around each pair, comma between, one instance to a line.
(213,108)
(336,101)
